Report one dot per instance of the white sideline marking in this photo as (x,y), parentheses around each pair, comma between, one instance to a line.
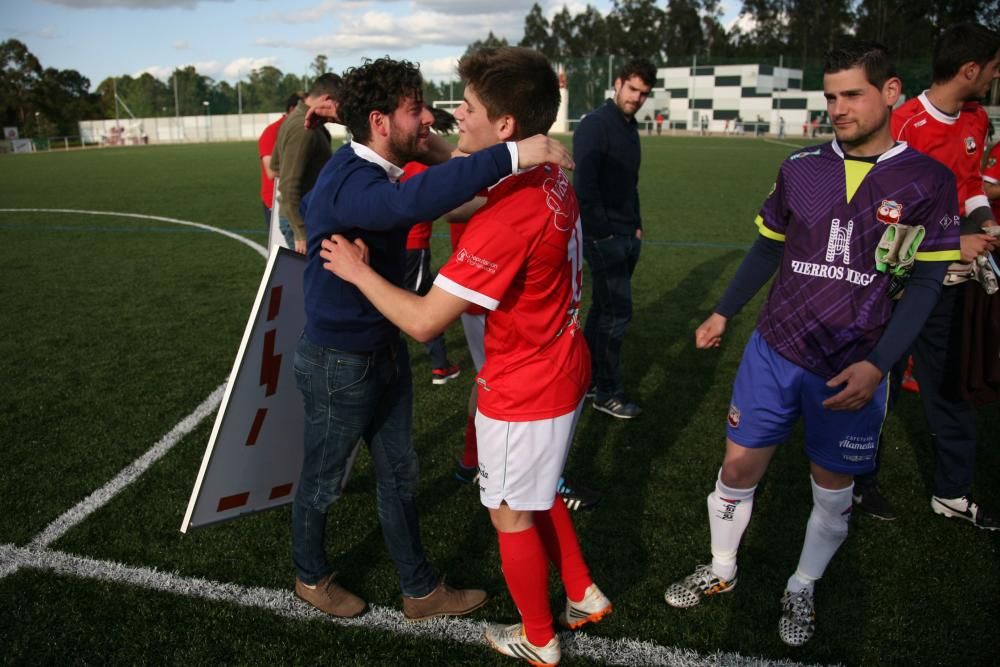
(284,603)
(782,143)
(187,223)
(129,474)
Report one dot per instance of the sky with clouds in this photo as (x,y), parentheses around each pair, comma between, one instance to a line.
(225,39)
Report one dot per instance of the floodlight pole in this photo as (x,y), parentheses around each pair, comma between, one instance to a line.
(177,107)
(114,91)
(208,121)
(239,95)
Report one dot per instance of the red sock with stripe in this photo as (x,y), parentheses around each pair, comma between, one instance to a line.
(470,457)
(526,570)
(555,527)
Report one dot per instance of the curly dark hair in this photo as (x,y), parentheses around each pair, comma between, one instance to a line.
(377,85)
(516,81)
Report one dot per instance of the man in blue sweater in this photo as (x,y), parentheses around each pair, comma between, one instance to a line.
(606,149)
(350,364)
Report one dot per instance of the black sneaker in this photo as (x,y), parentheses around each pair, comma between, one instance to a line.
(964,508)
(591,393)
(577,497)
(869,499)
(618,407)
(466,475)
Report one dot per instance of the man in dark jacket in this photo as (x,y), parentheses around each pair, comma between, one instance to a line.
(606,151)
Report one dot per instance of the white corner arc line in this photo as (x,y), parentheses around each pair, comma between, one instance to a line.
(140,216)
(283,603)
(129,474)
(782,143)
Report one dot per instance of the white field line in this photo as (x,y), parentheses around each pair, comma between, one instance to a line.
(782,143)
(284,603)
(187,223)
(129,474)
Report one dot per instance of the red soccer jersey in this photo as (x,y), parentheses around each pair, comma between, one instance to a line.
(520,258)
(419,237)
(957,142)
(991,174)
(265,146)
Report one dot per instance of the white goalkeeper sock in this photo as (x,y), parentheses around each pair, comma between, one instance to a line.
(728,515)
(825,532)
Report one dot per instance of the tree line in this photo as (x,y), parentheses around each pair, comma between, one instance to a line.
(47,101)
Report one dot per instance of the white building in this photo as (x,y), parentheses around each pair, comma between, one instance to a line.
(757,95)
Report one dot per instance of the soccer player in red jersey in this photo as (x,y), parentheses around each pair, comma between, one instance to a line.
(991,179)
(520,258)
(948,123)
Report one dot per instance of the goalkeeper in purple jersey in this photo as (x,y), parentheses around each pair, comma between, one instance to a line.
(828,333)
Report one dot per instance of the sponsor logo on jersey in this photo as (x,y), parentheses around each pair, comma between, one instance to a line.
(805,154)
(467,257)
(734,416)
(839,244)
(948,221)
(889,212)
(970,145)
(555,190)
(992,162)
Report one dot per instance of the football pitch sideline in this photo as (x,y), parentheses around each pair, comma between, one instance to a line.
(119,330)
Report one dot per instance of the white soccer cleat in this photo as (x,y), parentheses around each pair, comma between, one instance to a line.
(798,617)
(510,640)
(691,589)
(594,606)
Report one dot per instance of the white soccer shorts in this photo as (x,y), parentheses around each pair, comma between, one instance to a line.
(520,463)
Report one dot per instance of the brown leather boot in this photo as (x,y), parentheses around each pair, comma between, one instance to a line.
(330,597)
(443,601)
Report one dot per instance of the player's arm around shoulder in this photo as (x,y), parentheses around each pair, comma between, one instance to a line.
(423,318)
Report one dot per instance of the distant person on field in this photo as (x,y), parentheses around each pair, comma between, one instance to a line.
(606,149)
(300,154)
(781,127)
(659,123)
(350,365)
(265,147)
(520,260)
(648,123)
(828,332)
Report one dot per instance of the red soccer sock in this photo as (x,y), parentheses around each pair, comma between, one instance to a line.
(555,528)
(470,457)
(526,569)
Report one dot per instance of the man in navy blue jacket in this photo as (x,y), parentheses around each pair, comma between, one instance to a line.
(606,149)
(350,364)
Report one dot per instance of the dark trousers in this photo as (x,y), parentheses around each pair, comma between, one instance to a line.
(952,420)
(612,261)
(419,280)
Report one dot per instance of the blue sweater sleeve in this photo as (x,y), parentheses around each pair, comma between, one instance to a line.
(923,289)
(756,269)
(357,195)
(588,152)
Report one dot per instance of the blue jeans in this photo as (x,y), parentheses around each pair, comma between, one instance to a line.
(350,396)
(612,261)
(283,225)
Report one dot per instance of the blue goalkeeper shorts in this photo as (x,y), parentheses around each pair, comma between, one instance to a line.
(771,393)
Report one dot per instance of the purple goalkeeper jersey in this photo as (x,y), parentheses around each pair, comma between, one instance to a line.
(828,305)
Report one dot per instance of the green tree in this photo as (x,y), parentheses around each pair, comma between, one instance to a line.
(21,73)
(319,66)
(536,33)
(491,41)
(636,29)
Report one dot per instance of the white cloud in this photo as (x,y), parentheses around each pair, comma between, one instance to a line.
(440,69)
(451,7)
(311,14)
(234,69)
(48,32)
(181,44)
(130,4)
